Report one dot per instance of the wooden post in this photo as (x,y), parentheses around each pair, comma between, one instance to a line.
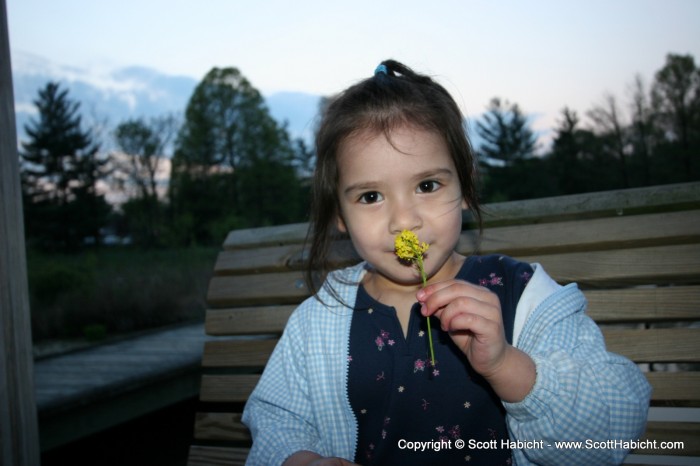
(19,437)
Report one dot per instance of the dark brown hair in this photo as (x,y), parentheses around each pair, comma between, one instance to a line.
(395,96)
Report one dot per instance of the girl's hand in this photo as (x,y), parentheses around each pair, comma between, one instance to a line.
(472,316)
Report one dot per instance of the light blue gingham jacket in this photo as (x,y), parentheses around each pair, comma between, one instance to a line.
(581,391)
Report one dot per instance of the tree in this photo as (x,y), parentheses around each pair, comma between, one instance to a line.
(676,95)
(643,133)
(566,152)
(506,133)
(226,124)
(576,159)
(506,153)
(60,170)
(607,119)
(228,133)
(143,148)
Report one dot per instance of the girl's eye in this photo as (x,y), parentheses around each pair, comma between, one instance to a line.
(428,186)
(370,197)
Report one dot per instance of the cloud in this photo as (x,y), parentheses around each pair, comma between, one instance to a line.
(107,94)
(26,108)
(112,95)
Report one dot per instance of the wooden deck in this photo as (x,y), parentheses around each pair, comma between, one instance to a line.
(89,390)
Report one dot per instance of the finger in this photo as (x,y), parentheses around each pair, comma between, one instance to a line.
(460,291)
(480,326)
(429,290)
(469,305)
(453,287)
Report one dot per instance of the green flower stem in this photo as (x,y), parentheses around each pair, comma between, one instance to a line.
(427,319)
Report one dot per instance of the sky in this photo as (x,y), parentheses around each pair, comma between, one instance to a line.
(541,54)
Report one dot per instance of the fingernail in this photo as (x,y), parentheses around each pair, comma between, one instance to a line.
(421,294)
(423,309)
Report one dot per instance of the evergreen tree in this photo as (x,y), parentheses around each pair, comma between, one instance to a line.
(506,153)
(505,132)
(566,152)
(60,170)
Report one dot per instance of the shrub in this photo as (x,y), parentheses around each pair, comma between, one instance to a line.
(116,290)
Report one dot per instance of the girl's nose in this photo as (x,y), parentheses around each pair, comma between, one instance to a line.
(404,217)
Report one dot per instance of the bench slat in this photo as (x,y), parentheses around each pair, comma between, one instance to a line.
(217,456)
(549,238)
(674,386)
(587,235)
(636,266)
(675,303)
(268,259)
(221,426)
(668,386)
(644,304)
(656,344)
(631,201)
(237,353)
(639,345)
(278,258)
(277,235)
(247,320)
(227,388)
(267,288)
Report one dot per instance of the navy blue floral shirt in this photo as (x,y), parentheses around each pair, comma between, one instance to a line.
(398,396)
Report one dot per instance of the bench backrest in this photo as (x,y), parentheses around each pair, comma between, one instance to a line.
(635,253)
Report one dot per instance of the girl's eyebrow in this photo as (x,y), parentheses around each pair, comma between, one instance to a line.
(434,173)
(361,186)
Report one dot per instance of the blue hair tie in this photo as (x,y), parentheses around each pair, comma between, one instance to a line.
(381,69)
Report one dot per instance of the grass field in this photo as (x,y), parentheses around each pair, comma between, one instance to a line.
(108,291)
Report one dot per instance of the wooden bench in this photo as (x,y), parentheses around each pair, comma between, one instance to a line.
(635,253)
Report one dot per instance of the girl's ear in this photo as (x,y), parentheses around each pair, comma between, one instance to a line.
(340,223)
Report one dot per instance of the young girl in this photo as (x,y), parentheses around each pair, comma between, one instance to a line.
(517,364)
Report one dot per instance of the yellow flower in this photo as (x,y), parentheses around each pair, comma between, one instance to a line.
(408,247)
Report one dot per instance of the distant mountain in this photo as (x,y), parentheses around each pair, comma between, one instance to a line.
(108,97)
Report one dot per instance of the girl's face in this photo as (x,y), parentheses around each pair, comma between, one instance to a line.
(406,183)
